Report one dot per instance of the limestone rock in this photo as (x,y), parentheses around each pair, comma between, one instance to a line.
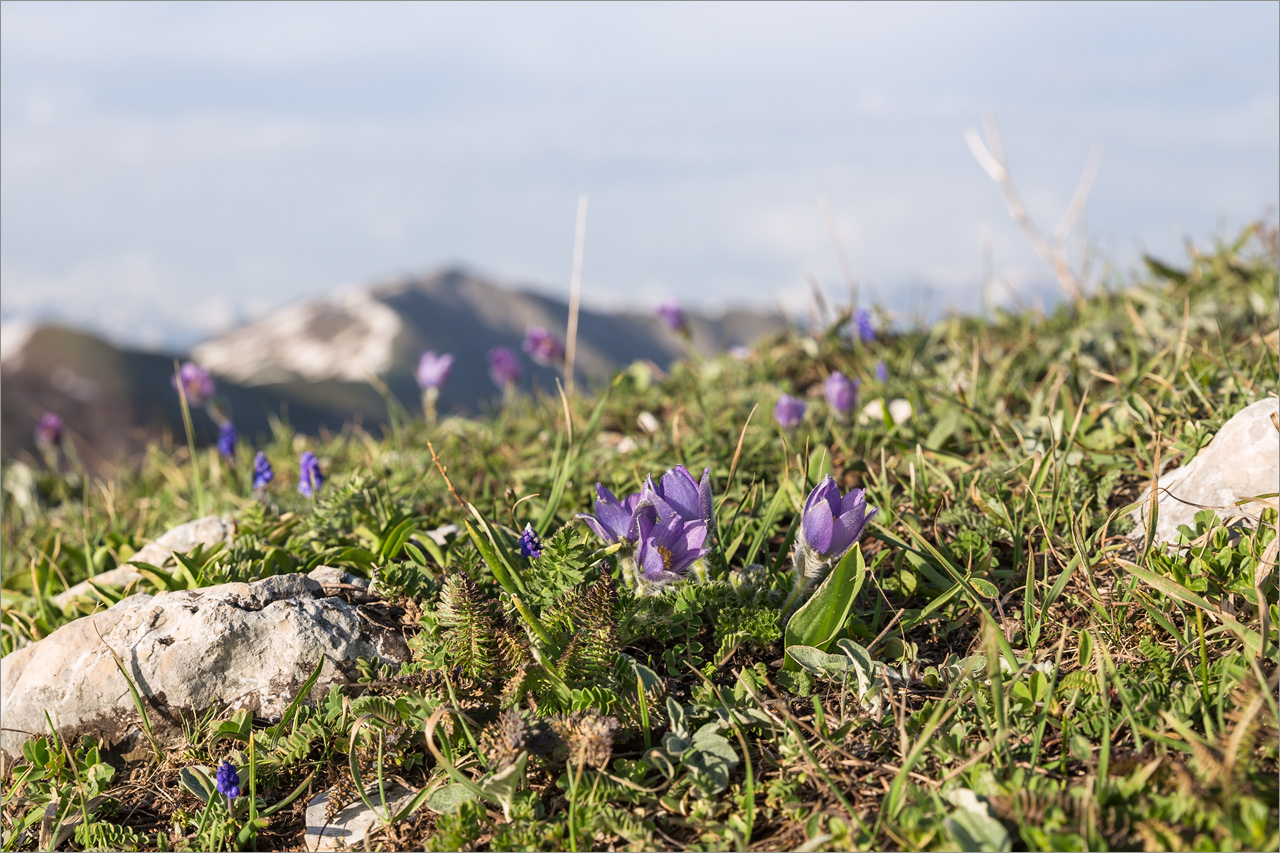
(351,825)
(1242,461)
(239,645)
(208,531)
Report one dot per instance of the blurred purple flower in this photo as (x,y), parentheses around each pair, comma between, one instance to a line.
(615,519)
(678,494)
(504,367)
(542,346)
(262,473)
(862,321)
(196,382)
(228,781)
(668,548)
(530,544)
(831,524)
(739,352)
(227,438)
(789,411)
(310,479)
(673,315)
(433,370)
(842,392)
(49,429)
(882,371)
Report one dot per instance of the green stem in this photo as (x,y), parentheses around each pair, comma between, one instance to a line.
(532,621)
(191,441)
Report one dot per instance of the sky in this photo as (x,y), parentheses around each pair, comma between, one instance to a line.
(168,171)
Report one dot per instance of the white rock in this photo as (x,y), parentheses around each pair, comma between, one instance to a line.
(208,531)
(351,825)
(246,645)
(1242,461)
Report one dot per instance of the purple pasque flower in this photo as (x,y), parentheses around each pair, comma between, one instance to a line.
(667,548)
(196,383)
(227,438)
(615,520)
(504,367)
(433,370)
(882,371)
(228,781)
(831,523)
(789,411)
(530,544)
(49,430)
(542,346)
(262,472)
(862,324)
(842,392)
(310,478)
(673,315)
(678,494)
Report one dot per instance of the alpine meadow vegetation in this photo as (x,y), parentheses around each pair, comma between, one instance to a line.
(651,616)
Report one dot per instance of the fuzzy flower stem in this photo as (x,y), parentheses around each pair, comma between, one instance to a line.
(429,396)
(191,440)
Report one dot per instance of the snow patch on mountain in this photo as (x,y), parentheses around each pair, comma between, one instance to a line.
(345,338)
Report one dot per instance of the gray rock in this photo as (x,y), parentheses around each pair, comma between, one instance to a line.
(236,645)
(351,825)
(1242,461)
(208,531)
(331,576)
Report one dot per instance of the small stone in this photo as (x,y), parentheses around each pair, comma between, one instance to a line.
(351,825)
(1242,461)
(208,531)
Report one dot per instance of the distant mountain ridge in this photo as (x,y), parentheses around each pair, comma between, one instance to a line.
(309,363)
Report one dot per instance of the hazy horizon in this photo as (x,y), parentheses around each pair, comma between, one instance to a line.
(170,170)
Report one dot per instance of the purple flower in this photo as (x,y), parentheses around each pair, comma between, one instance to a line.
(228,781)
(614,520)
(882,371)
(542,346)
(49,430)
(789,411)
(433,370)
(678,494)
(831,524)
(530,544)
(862,320)
(309,477)
(842,392)
(504,367)
(227,437)
(740,352)
(262,473)
(673,315)
(668,548)
(196,383)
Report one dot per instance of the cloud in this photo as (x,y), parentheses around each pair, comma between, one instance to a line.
(152,151)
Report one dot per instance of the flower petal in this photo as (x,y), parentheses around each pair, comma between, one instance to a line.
(681,492)
(704,497)
(596,527)
(817,526)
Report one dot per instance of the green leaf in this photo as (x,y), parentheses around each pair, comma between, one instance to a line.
(820,619)
(819,663)
(449,799)
(985,588)
(196,780)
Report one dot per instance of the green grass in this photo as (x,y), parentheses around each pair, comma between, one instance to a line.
(1013,672)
